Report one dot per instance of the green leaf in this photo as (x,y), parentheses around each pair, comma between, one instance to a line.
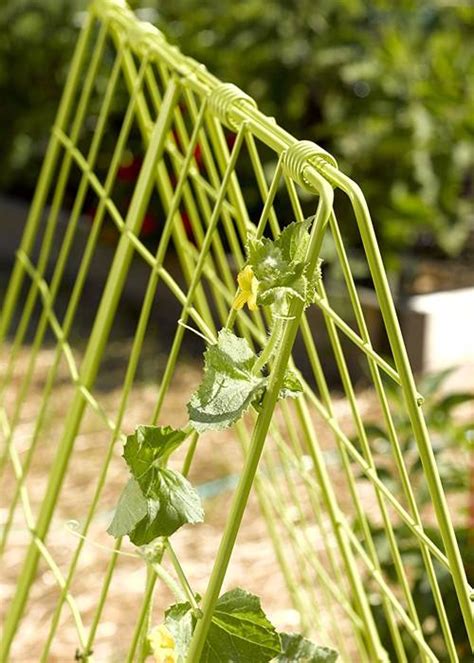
(266,259)
(156,501)
(297,648)
(180,622)
(294,240)
(290,282)
(171,502)
(280,265)
(131,508)
(292,387)
(239,630)
(228,386)
(147,446)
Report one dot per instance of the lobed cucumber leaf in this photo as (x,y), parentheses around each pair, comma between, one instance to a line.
(239,631)
(156,501)
(228,386)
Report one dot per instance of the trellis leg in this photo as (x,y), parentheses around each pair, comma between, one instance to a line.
(90,366)
(463,591)
(258,440)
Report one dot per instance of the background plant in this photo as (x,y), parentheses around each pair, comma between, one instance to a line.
(387,87)
(453,443)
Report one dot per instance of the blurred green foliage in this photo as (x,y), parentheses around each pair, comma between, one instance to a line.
(387,87)
(452,438)
(37,40)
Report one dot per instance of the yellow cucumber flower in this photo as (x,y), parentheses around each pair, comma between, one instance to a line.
(248,284)
(163,645)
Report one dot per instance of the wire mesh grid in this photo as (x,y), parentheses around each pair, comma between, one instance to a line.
(206,157)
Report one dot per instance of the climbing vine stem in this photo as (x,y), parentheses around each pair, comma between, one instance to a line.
(157,500)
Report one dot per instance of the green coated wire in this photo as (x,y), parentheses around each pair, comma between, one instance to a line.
(258,440)
(212,199)
(90,363)
(132,366)
(101,122)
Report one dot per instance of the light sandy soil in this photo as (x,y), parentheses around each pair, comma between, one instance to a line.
(254,565)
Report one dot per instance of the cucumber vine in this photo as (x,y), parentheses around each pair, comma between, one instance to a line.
(157,501)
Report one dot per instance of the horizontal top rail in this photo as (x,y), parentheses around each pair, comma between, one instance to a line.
(303,159)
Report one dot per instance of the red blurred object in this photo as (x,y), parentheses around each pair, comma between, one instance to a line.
(187,226)
(128,171)
(198,155)
(150,225)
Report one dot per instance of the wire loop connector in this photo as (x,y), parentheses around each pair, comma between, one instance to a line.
(225,99)
(302,155)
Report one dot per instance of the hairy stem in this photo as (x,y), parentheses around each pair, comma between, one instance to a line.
(272,345)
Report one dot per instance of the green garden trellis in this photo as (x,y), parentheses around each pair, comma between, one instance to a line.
(175,105)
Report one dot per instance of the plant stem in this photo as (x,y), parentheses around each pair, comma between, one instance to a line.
(271,347)
(184,581)
(144,647)
(169,581)
(470,508)
(190,454)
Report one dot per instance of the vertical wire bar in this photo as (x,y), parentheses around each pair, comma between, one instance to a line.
(350,395)
(320,380)
(46,246)
(173,355)
(90,365)
(292,582)
(222,260)
(163,183)
(136,349)
(217,137)
(181,239)
(402,363)
(333,334)
(29,522)
(126,388)
(142,618)
(268,210)
(45,177)
(203,208)
(375,374)
(299,537)
(53,290)
(347,554)
(258,439)
(369,632)
(298,451)
(349,391)
(213,221)
(51,224)
(276,229)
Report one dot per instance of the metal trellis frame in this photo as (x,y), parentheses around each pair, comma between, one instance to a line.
(123,68)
